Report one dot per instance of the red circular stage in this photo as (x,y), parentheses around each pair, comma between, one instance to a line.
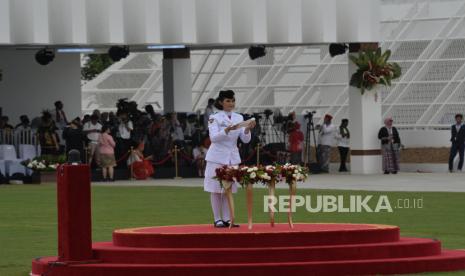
(309,249)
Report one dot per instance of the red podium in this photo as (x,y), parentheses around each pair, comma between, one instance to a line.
(74,213)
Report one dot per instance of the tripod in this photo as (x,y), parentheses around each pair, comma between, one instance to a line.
(310,131)
(274,136)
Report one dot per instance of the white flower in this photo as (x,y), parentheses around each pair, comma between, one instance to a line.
(269,168)
(255,169)
(245,168)
(253,175)
(30,165)
(296,171)
(235,167)
(294,176)
(249,170)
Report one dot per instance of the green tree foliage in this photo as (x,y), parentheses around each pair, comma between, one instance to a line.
(94,65)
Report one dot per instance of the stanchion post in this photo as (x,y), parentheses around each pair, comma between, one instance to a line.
(132,164)
(258,154)
(306,155)
(87,155)
(176,163)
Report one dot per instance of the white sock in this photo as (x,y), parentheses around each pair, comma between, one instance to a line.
(215,199)
(225,208)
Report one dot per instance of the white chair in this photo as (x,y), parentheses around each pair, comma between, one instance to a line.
(8,152)
(12,163)
(13,167)
(2,167)
(27,152)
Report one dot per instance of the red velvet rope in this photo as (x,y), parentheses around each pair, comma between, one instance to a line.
(274,157)
(163,161)
(123,157)
(249,157)
(186,157)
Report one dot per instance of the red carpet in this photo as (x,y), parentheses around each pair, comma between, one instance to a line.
(310,249)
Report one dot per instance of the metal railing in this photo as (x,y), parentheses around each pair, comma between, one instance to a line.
(18,137)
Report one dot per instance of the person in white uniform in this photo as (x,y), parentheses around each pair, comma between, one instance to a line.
(224,133)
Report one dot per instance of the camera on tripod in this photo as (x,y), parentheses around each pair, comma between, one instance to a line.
(309,115)
(268,113)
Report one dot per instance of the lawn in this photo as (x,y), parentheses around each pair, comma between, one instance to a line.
(28,216)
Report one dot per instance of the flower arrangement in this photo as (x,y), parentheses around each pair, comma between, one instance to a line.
(374,69)
(226,173)
(273,173)
(268,175)
(48,163)
(293,173)
(253,175)
(261,174)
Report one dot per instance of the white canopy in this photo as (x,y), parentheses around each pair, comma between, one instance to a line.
(191,22)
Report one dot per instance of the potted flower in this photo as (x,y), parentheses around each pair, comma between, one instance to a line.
(226,175)
(272,175)
(373,69)
(250,176)
(44,167)
(292,174)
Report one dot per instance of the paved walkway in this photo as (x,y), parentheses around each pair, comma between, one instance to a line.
(427,182)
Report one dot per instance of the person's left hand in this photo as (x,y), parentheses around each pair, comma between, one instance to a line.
(251,125)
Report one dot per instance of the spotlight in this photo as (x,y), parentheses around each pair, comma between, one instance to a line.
(337,49)
(117,53)
(45,56)
(257,52)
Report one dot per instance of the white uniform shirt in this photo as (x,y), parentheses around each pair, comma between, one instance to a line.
(223,149)
(327,135)
(59,121)
(199,152)
(342,142)
(93,136)
(123,132)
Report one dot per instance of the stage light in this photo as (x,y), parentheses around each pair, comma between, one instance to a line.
(117,53)
(45,56)
(76,50)
(162,47)
(257,52)
(337,49)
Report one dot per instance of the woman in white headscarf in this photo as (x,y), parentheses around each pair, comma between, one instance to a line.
(390,147)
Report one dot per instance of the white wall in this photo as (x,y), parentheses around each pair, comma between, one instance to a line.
(425,138)
(28,88)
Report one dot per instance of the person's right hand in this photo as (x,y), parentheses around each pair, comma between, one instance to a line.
(229,128)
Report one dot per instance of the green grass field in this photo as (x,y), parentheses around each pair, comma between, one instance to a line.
(28,216)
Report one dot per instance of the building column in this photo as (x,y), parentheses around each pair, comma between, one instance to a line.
(365,120)
(177,80)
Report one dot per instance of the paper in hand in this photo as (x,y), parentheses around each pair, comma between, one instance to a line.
(245,123)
